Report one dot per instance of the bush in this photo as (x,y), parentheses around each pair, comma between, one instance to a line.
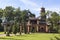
(59,31)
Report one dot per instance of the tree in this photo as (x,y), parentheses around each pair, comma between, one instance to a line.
(8,15)
(8,12)
(24,16)
(1,13)
(17,19)
(55,18)
(17,14)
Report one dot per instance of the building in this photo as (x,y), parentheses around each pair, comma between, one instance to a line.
(38,24)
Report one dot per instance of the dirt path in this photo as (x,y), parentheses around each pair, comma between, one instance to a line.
(2,35)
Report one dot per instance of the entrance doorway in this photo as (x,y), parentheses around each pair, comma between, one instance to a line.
(41,29)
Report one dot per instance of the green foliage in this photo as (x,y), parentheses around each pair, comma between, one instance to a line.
(17,14)
(8,13)
(1,13)
(53,18)
(14,28)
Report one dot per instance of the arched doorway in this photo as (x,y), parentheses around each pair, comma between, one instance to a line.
(41,29)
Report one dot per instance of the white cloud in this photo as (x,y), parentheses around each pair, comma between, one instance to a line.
(36,9)
(31,5)
(4,3)
(53,9)
(28,2)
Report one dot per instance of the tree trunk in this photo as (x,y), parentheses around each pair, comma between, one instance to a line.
(4,29)
(25,28)
(8,31)
(20,29)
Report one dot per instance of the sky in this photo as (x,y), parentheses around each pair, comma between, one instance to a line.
(33,5)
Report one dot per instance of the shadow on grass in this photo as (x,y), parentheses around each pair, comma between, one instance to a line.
(10,39)
(55,38)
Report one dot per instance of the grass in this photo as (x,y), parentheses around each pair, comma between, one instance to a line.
(1,32)
(33,36)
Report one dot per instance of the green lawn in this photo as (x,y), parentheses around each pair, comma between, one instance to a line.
(1,32)
(33,36)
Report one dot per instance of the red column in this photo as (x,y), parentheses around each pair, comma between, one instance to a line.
(37,25)
(28,29)
(46,28)
(37,28)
